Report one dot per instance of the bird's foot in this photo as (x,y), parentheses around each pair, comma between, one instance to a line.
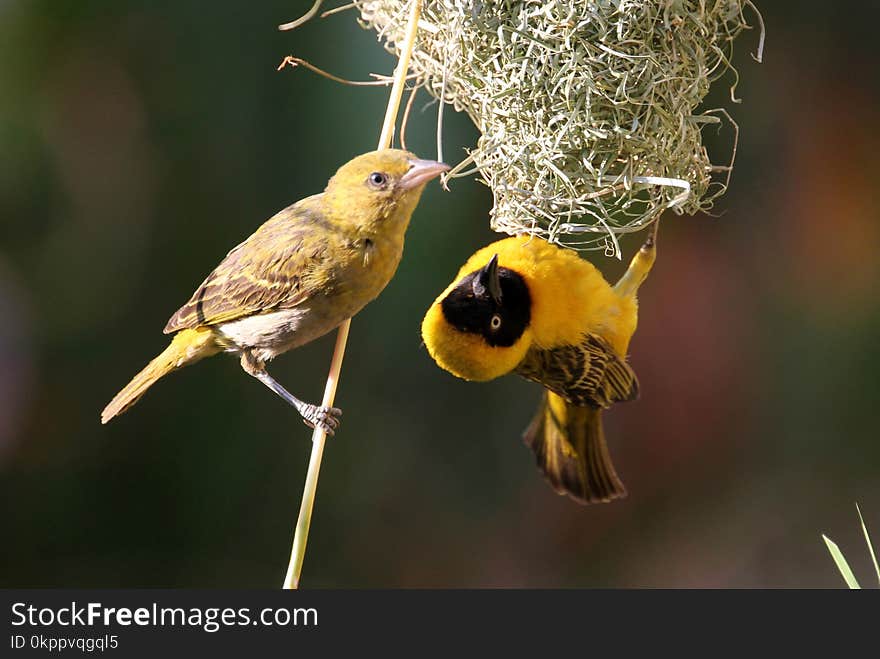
(326,418)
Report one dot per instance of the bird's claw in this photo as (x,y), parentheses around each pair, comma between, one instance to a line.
(327,418)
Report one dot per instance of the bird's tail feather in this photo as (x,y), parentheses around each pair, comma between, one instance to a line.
(570,449)
(187,346)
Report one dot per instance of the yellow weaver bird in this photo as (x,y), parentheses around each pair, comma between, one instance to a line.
(301,274)
(524,306)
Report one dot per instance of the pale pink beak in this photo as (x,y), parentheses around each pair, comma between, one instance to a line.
(421,172)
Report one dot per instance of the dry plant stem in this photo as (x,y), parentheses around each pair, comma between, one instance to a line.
(405,119)
(293,62)
(297,553)
(758,56)
(303,522)
(309,15)
(337,10)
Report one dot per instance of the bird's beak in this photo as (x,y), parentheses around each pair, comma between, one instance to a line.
(422,171)
(488,281)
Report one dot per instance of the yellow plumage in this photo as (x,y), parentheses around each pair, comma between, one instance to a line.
(522,305)
(187,347)
(298,276)
(569,297)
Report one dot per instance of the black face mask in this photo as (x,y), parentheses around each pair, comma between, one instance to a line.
(493,302)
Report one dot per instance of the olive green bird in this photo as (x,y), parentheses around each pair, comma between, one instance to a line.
(300,275)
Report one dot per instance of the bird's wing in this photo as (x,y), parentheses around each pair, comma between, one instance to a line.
(589,373)
(275,268)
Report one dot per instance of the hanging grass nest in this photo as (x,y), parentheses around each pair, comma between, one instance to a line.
(587,109)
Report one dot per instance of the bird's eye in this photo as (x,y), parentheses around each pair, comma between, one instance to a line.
(378,179)
(495,321)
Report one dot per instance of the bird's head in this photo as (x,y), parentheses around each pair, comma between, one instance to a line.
(380,187)
(478,329)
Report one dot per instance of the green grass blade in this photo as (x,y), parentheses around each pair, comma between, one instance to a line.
(841,563)
(868,540)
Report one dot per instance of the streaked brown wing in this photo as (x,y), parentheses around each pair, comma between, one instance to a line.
(273,269)
(589,373)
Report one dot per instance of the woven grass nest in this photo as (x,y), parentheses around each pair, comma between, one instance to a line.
(588,110)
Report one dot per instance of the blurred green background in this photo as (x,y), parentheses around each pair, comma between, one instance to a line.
(141,140)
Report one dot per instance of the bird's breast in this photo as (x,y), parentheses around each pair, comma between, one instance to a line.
(371,264)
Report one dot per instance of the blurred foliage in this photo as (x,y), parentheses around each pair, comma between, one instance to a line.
(142,140)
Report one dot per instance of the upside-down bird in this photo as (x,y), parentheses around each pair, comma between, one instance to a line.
(524,306)
(298,276)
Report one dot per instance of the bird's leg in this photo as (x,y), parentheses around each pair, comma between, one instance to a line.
(640,266)
(325,417)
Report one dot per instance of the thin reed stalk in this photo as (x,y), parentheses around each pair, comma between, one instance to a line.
(301,536)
